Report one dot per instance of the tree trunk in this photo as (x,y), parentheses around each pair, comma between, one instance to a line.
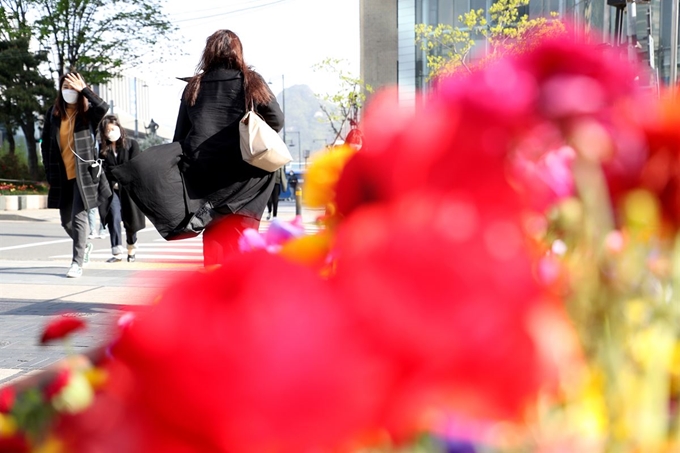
(11,141)
(29,133)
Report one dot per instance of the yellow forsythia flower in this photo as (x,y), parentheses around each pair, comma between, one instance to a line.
(51,445)
(76,396)
(8,426)
(323,175)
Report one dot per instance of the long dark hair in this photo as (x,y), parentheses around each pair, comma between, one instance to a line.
(60,104)
(223,49)
(105,144)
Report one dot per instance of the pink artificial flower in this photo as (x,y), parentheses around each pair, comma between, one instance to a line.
(126,319)
(547,179)
(278,233)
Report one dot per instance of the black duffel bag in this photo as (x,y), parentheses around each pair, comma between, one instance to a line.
(157,186)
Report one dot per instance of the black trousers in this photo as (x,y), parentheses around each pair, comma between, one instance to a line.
(273,202)
(74,219)
(114,221)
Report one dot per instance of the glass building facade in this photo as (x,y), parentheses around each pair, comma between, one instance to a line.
(651,20)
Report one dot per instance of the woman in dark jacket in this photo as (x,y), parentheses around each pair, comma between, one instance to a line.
(212,105)
(116,149)
(71,167)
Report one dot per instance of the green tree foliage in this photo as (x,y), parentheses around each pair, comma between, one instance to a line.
(449,48)
(149,141)
(24,91)
(100,37)
(347,101)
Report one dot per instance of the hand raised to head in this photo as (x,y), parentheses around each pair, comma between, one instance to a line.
(76,81)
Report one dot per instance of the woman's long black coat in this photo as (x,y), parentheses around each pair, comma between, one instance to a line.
(209,134)
(87,176)
(133,218)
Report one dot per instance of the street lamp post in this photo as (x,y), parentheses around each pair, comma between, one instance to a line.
(299,146)
(675,5)
(135,94)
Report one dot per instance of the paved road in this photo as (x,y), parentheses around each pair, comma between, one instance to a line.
(34,256)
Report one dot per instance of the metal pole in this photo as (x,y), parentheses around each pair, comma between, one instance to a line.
(632,33)
(135,92)
(650,39)
(298,199)
(673,81)
(606,25)
(299,147)
(283,105)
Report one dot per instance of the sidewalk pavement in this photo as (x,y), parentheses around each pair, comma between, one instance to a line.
(286,210)
(31,292)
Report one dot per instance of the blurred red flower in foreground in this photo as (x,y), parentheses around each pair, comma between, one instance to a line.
(7,397)
(14,444)
(60,327)
(564,85)
(58,383)
(230,361)
(661,174)
(446,290)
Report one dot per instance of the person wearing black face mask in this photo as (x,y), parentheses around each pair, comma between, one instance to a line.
(116,149)
(71,166)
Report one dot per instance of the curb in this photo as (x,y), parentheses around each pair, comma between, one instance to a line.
(22,202)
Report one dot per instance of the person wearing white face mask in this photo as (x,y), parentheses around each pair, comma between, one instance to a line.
(116,149)
(68,148)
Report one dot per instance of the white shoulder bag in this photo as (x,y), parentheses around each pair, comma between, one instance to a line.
(261,146)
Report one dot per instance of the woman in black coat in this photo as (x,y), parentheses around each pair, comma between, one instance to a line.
(212,105)
(116,149)
(69,155)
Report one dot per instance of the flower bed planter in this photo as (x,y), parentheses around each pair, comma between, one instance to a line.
(21,202)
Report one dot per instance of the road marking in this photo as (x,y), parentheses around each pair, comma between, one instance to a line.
(34,244)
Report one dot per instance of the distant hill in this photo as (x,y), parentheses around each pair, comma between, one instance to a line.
(303,115)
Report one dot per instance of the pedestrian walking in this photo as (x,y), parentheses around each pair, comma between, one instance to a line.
(116,149)
(213,103)
(74,174)
(95,233)
(280,186)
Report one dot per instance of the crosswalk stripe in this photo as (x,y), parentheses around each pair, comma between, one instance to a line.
(190,249)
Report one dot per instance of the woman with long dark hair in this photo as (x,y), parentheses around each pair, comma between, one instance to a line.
(116,149)
(212,105)
(69,154)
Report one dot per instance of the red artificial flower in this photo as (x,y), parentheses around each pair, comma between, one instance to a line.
(58,383)
(661,173)
(257,355)
(7,397)
(596,117)
(14,444)
(444,285)
(60,327)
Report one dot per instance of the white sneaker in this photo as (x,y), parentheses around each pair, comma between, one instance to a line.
(115,259)
(91,236)
(74,271)
(86,257)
